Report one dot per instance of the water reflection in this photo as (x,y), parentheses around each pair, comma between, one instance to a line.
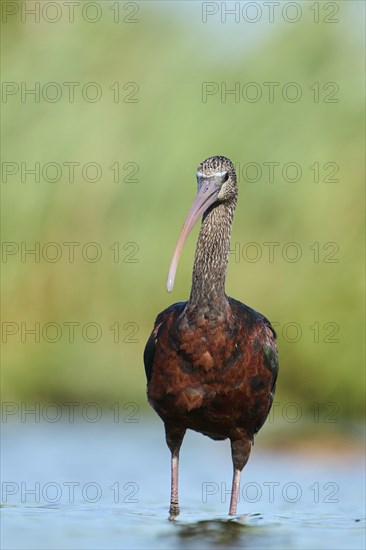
(220,532)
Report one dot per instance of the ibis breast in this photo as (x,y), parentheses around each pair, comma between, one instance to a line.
(213,376)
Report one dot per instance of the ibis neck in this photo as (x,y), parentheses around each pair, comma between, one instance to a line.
(211,258)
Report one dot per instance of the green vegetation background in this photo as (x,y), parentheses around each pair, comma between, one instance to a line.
(169,53)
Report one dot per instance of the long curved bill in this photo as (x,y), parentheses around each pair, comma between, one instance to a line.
(207,195)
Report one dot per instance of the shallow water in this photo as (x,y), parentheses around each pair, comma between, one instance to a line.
(105,485)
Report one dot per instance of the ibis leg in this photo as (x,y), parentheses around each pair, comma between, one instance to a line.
(235,492)
(240,451)
(174,506)
(174,438)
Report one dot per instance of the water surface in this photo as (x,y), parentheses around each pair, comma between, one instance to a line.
(105,485)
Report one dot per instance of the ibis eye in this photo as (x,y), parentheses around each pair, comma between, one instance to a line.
(226,177)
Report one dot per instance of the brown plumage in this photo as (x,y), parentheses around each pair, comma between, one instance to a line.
(211,362)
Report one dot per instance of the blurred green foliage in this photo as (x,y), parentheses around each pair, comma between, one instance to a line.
(169,53)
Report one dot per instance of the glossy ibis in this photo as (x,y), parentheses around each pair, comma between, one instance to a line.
(211,362)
